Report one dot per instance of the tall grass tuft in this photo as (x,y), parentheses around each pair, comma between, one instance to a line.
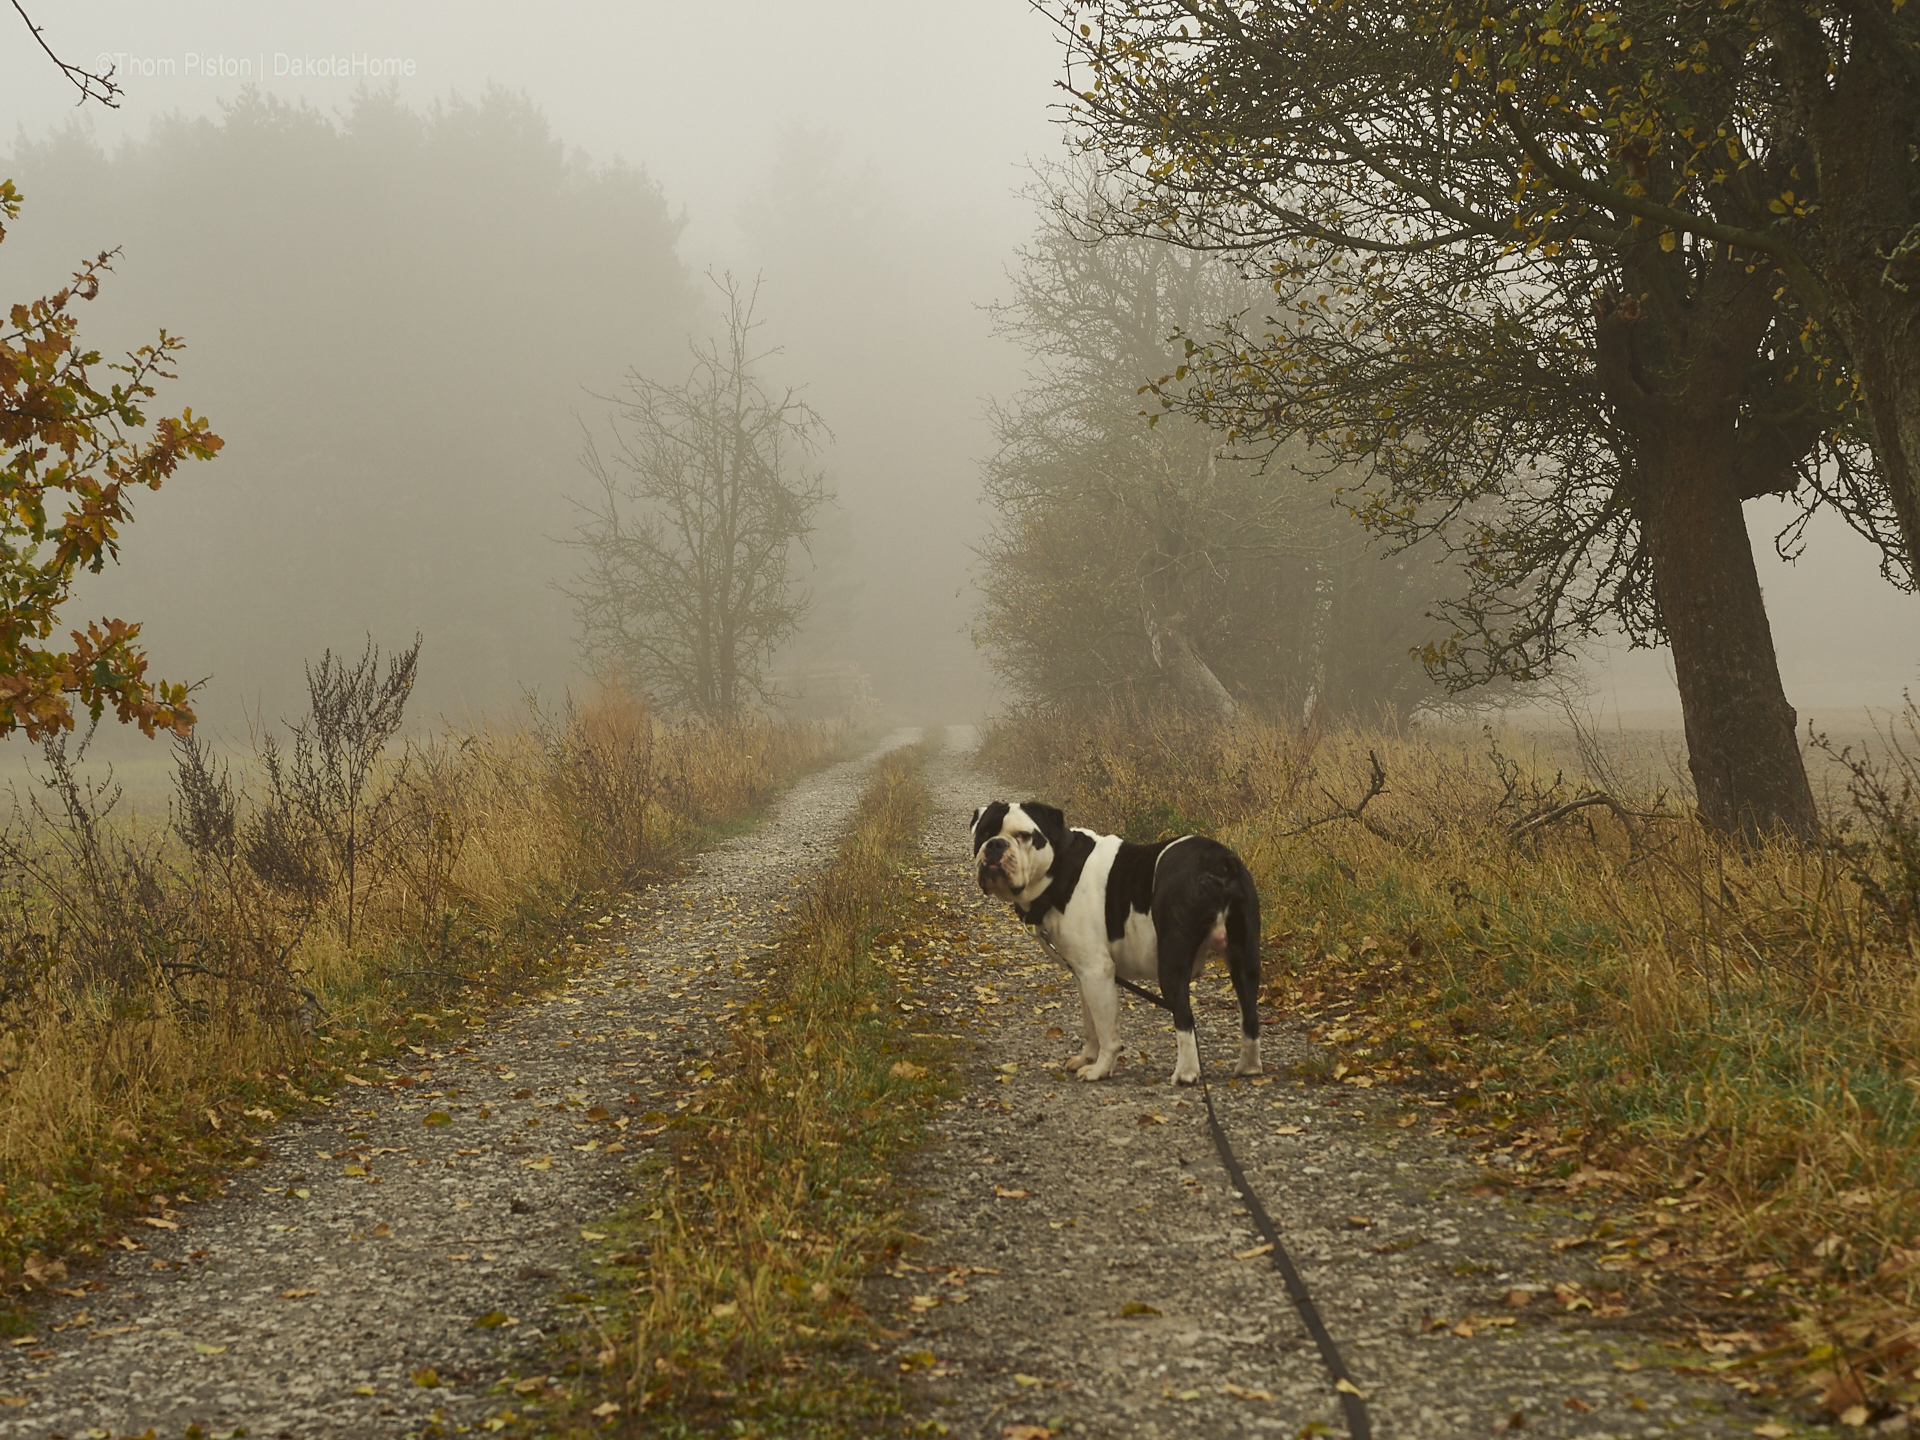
(165,991)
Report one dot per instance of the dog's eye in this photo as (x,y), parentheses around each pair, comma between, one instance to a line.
(1035,839)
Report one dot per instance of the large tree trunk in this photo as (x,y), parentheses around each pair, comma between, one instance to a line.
(1741,742)
(1678,382)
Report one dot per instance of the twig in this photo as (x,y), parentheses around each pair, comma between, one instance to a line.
(108,93)
(1376,785)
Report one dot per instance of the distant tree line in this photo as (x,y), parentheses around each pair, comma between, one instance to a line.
(397,314)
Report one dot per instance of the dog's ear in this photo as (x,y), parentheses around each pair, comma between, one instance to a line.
(1051,821)
(976,817)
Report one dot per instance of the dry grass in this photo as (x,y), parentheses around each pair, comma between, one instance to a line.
(164,993)
(1606,993)
(778,1191)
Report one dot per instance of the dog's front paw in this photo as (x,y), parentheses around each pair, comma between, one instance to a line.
(1076,1062)
(1184,1074)
(1097,1069)
(1249,1058)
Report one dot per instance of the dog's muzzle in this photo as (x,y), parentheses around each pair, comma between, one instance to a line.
(992,863)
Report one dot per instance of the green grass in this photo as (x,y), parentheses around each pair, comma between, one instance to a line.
(778,1190)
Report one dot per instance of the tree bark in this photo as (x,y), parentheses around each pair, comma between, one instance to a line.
(1678,385)
(1742,745)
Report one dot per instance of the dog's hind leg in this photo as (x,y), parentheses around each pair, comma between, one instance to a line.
(1177,947)
(1243,965)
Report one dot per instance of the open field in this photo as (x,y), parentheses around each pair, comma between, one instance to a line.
(1601,987)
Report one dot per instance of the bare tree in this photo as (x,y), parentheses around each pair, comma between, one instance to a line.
(687,582)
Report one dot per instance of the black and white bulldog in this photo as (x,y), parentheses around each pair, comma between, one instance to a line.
(1103,906)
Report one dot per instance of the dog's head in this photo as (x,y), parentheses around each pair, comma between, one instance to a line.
(1014,847)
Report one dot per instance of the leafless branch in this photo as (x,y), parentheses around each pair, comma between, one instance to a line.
(90,85)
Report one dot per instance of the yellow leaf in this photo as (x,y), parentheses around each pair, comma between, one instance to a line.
(545,1162)
(297,1294)
(426,1377)
(1028,1380)
(1266,1249)
(1347,1387)
(354,1170)
(1668,240)
(209,1349)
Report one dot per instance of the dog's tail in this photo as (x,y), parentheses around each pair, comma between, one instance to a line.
(1214,891)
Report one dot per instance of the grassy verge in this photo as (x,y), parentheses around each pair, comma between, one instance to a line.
(778,1189)
(1606,1000)
(168,992)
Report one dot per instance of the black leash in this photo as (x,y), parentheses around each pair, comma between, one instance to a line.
(1351,1400)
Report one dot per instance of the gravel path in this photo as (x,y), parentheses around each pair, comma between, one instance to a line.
(426,1227)
(1080,1268)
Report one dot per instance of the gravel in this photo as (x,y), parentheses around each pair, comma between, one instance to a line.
(377,1241)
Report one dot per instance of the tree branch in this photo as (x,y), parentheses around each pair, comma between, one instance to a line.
(85,81)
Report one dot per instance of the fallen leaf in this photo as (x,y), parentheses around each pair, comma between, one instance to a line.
(1266,1249)
(599,1112)
(1134,1307)
(365,1390)
(725,1309)
(591,1235)
(1347,1387)
(492,1320)
(1855,1415)
(437,1117)
(1288,1130)
(1519,1299)
(297,1294)
(354,1170)
(1771,1431)
(1359,1222)
(1006,1194)
(158,1223)
(209,1349)
(15,1400)
(426,1377)
(1242,1392)
(906,1070)
(545,1162)
(1151,1119)
(355,1080)
(1581,1407)
(606,1409)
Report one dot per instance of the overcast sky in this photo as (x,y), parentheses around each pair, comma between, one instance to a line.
(939,107)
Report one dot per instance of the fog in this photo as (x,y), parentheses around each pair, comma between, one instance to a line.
(402,297)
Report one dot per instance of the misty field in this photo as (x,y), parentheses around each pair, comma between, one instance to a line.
(1609,995)
(171,988)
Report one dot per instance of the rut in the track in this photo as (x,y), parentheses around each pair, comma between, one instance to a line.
(368,1244)
(1079,1264)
